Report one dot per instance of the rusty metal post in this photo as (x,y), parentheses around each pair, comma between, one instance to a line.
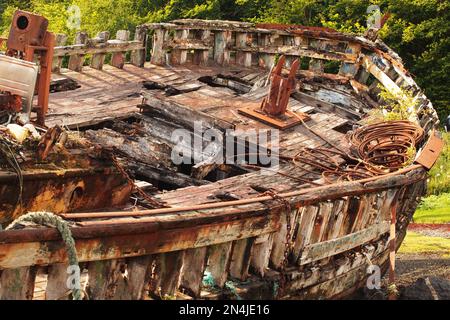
(45,77)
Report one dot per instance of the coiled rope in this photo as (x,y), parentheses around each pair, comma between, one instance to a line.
(50,219)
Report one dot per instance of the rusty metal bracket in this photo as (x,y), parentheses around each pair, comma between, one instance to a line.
(273,109)
(276,102)
(431,151)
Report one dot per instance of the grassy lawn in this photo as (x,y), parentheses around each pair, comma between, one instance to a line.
(416,243)
(434,209)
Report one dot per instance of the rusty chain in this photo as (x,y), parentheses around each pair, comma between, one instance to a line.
(154,203)
(288,242)
(375,149)
(385,146)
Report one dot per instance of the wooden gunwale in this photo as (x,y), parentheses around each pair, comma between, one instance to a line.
(154,222)
(354,189)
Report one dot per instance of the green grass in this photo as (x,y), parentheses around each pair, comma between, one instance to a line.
(434,209)
(416,243)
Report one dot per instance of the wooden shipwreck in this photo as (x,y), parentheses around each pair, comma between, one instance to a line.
(208,230)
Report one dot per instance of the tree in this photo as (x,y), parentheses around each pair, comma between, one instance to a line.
(419,30)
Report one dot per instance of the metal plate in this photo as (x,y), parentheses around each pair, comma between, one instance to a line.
(286,121)
(431,151)
(18,77)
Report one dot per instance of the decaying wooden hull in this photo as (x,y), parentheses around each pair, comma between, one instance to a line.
(223,230)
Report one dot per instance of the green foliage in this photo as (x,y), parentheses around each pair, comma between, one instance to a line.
(347,15)
(417,29)
(435,202)
(304,12)
(397,106)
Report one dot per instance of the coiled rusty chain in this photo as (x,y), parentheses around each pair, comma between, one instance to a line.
(384,146)
(377,149)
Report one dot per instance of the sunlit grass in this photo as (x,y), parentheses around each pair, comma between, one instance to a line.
(434,209)
(441,215)
(416,243)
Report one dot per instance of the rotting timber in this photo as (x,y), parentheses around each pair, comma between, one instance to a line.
(221,231)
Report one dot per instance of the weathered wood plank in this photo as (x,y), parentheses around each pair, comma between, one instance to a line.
(60,40)
(300,51)
(336,285)
(118,58)
(387,82)
(161,175)
(158,52)
(266,59)
(195,261)
(362,214)
(308,282)
(371,201)
(132,285)
(351,69)
(240,258)
(98,59)
(385,211)
(103,278)
(142,148)
(262,249)
(138,56)
(167,274)
(110,46)
(321,223)
(219,263)
(76,61)
(243,58)
(336,219)
(179,56)
(326,106)
(201,57)
(350,215)
(375,211)
(279,238)
(329,248)
(221,47)
(17,284)
(304,229)
(181,113)
(57,282)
